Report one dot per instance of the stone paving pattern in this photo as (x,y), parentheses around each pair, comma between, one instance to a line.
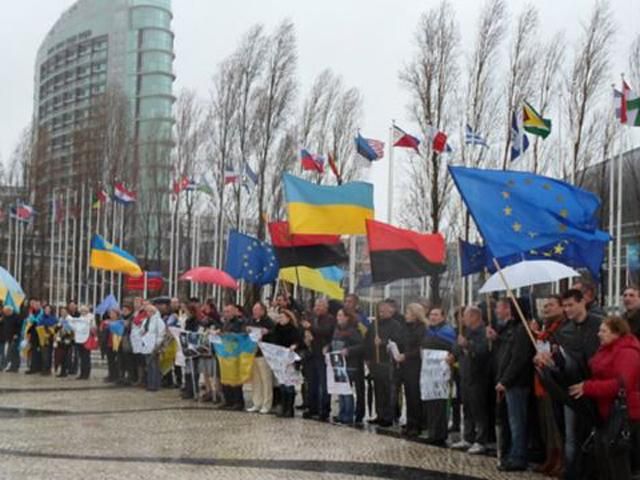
(91,430)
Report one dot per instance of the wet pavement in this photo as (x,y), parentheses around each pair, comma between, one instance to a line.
(64,428)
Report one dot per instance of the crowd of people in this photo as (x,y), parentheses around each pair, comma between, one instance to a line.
(545,389)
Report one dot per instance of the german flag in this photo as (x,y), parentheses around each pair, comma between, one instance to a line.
(398,253)
(314,251)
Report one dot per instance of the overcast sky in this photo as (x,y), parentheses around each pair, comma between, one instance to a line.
(366,41)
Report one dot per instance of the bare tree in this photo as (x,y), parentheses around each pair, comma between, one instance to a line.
(522,68)
(548,68)
(634,62)
(588,72)
(274,101)
(430,78)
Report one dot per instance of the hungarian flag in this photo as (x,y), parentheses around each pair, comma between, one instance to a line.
(313,251)
(403,139)
(398,253)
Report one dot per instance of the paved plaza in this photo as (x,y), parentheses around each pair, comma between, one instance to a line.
(64,428)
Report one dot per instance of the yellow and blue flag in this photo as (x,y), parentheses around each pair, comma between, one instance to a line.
(106,256)
(327,280)
(321,209)
(235,355)
(517,212)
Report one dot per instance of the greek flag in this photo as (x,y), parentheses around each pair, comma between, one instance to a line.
(472,138)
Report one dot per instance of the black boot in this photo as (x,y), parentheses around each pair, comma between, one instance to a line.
(291,399)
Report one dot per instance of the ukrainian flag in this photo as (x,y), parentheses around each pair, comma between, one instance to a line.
(106,256)
(321,209)
(325,280)
(235,356)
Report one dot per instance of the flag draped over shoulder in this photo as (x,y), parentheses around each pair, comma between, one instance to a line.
(325,280)
(106,256)
(313,251)
(518,211)
(250,259)
(321,209)
(398,253)
(235,354)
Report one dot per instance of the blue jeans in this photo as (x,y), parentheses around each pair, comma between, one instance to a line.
(347,408)
(517,408)
(154,377)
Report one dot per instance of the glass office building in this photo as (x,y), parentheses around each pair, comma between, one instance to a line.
(98,46)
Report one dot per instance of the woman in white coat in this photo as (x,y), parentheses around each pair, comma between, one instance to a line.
(153,331)
(81,327)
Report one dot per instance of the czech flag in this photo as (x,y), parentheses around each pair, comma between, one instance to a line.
(311,162)
(398,253)
(322,209)
(106,256)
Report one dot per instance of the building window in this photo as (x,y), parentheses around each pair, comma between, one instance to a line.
(142,17)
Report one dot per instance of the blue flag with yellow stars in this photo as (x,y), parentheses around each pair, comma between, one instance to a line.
(516,212)
(250,259)
(576,253)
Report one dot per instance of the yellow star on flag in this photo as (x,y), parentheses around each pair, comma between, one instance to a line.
(564,213)
(558,249)
(517,227)
(507,211)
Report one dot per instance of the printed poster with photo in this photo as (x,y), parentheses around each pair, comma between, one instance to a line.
(435,375)
(337,375)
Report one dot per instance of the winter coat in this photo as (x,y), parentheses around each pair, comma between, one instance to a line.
(349,338)
(439,337)
(82,327)
(10,327)
(619,360)
(153,329)
(580,342)
(633,318)
(322,330)
(474,358)
(414,335)
(517,352)
(286,335)
(389,329)
(235,325)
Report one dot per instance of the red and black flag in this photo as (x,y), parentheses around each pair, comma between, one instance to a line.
(398,253)
(313,251)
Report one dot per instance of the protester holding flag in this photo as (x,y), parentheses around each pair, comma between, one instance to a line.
(30,336)
(347,340)
(64,343)
(232,322)
(46,333)
(261,376)
(113,316)
(384,330)
(409,362)
(153,334)
(286,334)
(126,360)
(320,328)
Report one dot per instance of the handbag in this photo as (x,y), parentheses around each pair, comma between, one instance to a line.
(616,432)
(92,342)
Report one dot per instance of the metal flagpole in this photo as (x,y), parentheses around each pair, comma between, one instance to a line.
(197,258)
(74,233)
(88,254)
(176,269)
(610,268)
(387,287)
(619,223)
(20,244)
(52,231)
(193,250)
(103,273)
(59,261)
(81,245)
(145,291)
(352,264)
(112,275)
(171,245)
(65,282)
(9,240)
(95,272)
(121,242)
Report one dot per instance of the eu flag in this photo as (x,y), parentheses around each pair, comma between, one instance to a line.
(519,211)
(250,259)
(576,253)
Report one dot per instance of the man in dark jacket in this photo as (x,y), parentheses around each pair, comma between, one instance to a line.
(590,295)
(515,375)
(577,342)
(320,329)
(351,305)
(381,365)
(473,355)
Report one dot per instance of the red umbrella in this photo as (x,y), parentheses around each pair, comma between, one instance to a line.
(210,275)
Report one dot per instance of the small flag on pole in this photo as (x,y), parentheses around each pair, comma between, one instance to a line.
(230,175)
(122,195)
(369,148)
(311,162)
(403,139)
(473,138)
(519,140)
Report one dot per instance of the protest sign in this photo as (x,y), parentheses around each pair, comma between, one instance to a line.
(435,375)
(281,360)
(337,376)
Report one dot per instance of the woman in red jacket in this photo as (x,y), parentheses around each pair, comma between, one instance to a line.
(617,360)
